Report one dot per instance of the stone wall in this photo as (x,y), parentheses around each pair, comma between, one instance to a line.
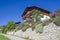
(50,32)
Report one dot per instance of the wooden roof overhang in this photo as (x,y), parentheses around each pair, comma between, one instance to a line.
(32,8)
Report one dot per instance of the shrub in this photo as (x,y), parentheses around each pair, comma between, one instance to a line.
(9,27)
(3,29)
(39,28)
(33,27)
(57,21)
(36,15)
(47,22)
(24,26)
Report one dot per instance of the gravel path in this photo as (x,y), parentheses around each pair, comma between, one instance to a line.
(11,37)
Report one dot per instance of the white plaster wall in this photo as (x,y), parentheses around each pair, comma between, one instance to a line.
(45,18)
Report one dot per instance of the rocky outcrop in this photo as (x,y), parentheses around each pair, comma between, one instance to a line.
(50,32)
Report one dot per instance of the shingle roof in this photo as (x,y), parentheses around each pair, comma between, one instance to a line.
(33,7)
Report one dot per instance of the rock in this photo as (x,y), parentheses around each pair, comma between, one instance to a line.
(50,32)
(19,33)
(10,33)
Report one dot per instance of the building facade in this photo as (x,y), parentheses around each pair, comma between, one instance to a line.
(27,14)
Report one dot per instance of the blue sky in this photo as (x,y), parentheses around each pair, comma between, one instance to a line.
(13,9)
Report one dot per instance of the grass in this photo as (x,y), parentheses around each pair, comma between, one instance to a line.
(3,37)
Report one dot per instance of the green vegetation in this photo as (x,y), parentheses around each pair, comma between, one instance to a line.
(3,38)
(57,20)
(36,16)
(56,17)
(34,21)
(9,27)
(39,28)
(24,26)
(3,29)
